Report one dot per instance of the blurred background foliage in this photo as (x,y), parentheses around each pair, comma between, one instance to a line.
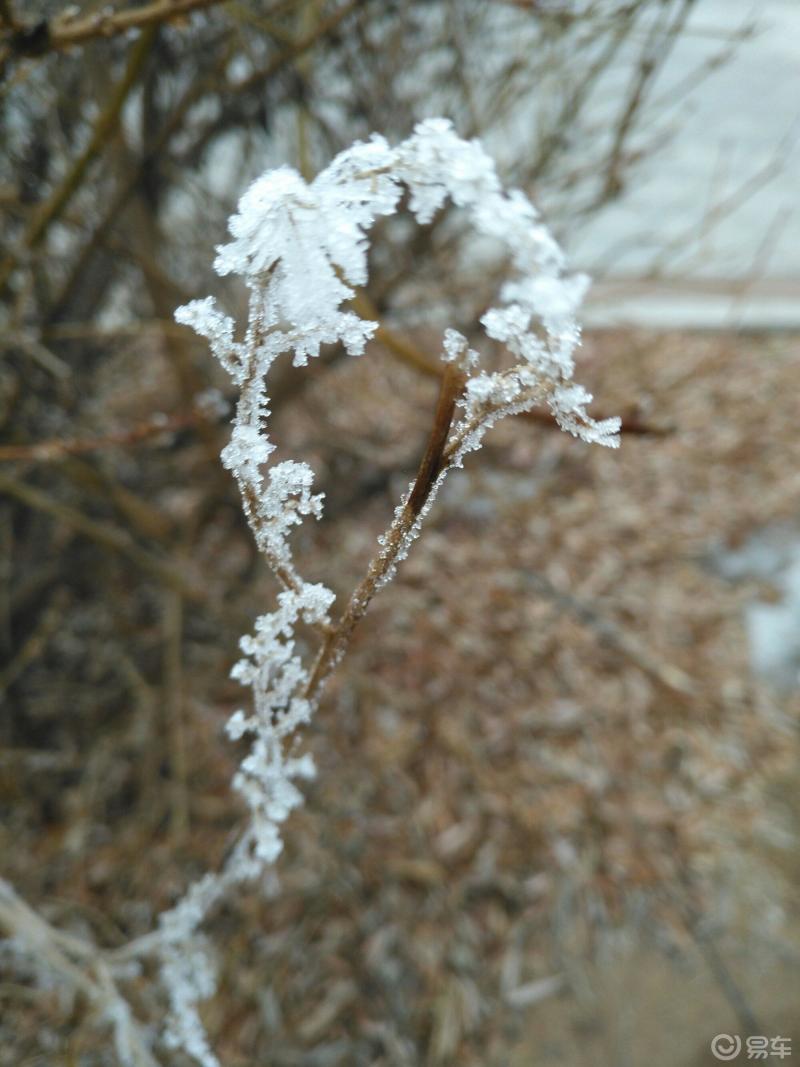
(548,742)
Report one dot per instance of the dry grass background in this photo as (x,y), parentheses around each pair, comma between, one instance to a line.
(546,756)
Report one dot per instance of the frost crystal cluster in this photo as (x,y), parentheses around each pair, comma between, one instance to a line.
(301,249)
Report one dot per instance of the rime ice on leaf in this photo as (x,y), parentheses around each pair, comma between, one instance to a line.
(301,248)
(205,319)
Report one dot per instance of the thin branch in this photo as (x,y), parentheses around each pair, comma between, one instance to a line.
(105,534)
(431,465)
(195,92)
(52,208)
(656,51)
(407,352)
(47,624)
(38,352)
(679,891)
(46,944)
(293,51)
(58,449)
(729,987)
(253,82)
(38,38)
(174,712)
(661,671)
(432,462)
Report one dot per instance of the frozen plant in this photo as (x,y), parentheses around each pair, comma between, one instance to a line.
(301,249)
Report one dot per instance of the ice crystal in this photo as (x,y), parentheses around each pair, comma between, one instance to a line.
(457,350)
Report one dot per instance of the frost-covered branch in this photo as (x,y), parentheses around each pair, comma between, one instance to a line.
(80,967)
(301,250)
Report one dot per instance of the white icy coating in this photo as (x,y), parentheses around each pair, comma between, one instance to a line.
(301,248)
(457,350)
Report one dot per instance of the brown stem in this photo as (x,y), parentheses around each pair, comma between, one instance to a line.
(175,122)
(104,128)
(103,533)
(404,349)
(39,37)
(431,466)
(57,449)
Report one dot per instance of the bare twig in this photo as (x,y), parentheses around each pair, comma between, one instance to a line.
(214,82)
(37,38)
(58,449)
(657,49)
(104,127)
(432,462)
(677,885)
(32,648)
(291,51)
(173,707)
(51,946)
(38,352)
(105,534)
(407,352)
(666,674)
(431,465)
